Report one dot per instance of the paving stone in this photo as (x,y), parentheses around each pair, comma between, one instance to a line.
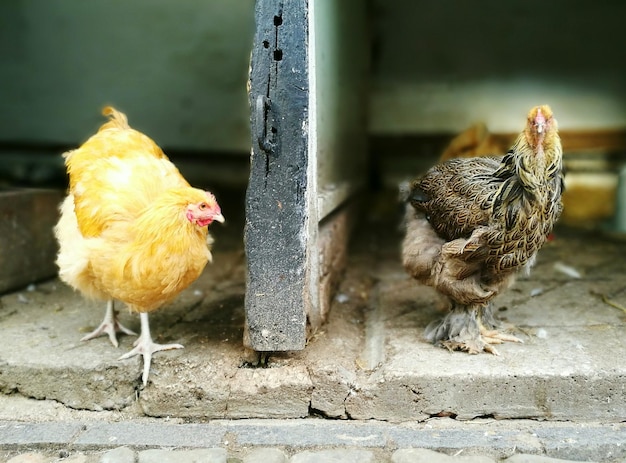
(430,456)
(309,433)
(522,458)
(77,458)
(454,440)
(267,455)
(183,456)
(118,455)
(472,459)
(288,389)
(151,435)
(418,456)
(61,456)
(334,456)
(37,433)
(29,458)
(584,442)
(565,374)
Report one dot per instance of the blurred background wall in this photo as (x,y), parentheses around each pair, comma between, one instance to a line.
(179,70)
(440,66)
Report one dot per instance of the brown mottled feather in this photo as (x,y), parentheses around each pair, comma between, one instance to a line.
(474,223)
(513,200)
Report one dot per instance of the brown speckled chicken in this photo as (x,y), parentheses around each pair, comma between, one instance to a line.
(473,224)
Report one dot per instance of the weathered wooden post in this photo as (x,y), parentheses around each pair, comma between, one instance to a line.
(307,101)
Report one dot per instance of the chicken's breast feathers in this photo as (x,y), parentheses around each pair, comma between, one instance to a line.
(148,261)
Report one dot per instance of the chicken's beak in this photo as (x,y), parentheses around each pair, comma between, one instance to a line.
(219,218)
(541,127)
(540,121)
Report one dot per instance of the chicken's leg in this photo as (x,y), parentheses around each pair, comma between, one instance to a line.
(146,347)
(491,328)
(110,325)
(469,328)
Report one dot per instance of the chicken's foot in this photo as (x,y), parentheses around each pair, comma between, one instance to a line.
(483,343)
(471,329)
(496,337)
(110,326)
(471,346)
(145,346)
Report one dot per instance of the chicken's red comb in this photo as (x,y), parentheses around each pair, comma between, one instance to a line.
(540,114)
(540,118)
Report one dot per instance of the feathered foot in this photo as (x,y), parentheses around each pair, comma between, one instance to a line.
(496,337)
(491,328)
(471,329)
(110,326)
(145,347)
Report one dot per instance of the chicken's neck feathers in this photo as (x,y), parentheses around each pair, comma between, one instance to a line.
(528,171)
(165,220)
(148,261)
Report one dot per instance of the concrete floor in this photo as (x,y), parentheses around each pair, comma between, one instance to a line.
(368,362)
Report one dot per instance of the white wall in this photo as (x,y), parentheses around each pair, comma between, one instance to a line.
(440,66)
(177,68)
(339,68)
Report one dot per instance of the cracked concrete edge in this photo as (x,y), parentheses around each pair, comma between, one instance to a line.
(249,393)
(286,392)
(297,391)
(591,442)
(103,388)
(398,398)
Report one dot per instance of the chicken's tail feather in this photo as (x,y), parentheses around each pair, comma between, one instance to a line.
(404,191)
(410,192)
(117,119)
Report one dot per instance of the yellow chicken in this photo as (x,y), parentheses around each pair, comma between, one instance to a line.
(131,228)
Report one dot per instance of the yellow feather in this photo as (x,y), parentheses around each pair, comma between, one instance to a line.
(134,240)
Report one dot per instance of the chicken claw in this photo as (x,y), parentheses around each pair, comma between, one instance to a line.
(145,347)
(472,329)
(496,337)
(110,325)
(484,343)
(471,346)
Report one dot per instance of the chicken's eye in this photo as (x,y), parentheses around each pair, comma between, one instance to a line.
(203,206)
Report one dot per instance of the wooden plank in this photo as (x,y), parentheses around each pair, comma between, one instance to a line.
(592,140)
(27,245)
(280,220)
(308,99)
